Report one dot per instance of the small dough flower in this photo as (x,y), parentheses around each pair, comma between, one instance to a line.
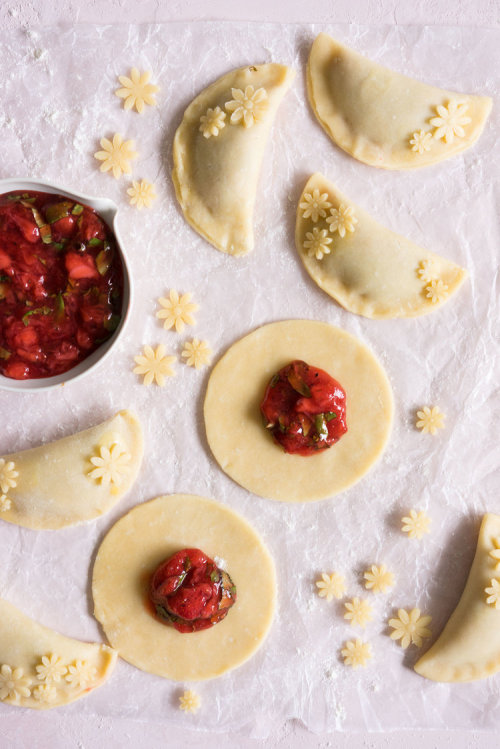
(416,525)
(331,586)
(358,611)
(8,475)
(437,291)
(81,674)
(315,205)
(248,106)
(342,219)
(410,627)
(316,243)
(176,311)
(137,91)
(378,579)
(5,503)
(430,420)
(495,553)
(197,353)
(425,271)
(154,365)
(51,668)
(212,122)
(421,141)
(141,194)
(116,155)
(189,701)
(13,683)
(112,465)
(450,121)
(45,693)
(356,653)
(493,593)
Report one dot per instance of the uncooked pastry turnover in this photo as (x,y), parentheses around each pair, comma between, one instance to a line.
(469,646)
(133,549)
(384,118)
(76,478)
(41,668)
(370,270)
(244,448)
(218,151)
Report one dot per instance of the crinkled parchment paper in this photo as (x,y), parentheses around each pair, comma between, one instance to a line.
(57,102)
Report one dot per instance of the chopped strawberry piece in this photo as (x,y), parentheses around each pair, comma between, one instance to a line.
(80,266)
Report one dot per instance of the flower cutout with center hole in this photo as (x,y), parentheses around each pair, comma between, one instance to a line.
(437,291)
(342,219)
(189,701)
(416,525)
(81,674)
(116,156)
(356,653)
(378,579)
(331,586)
(493,593)
(51,668)
(247,106)
(315,205)
(137,91)
(212,122)
(495,553)
(429,420)
(410,627)
(154,365)
(8,475)
(451,121)
(5,503)
(45,693)
(112,465)
(421,141)
(425,271)
(141,194)
(176,311)
(197,353)
(358,611)
(316,243)
(13,683)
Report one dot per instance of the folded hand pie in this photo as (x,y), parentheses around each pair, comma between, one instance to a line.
(74,479)
(384,118)
(365,267)
(40,668)
(469,646)
(218,151)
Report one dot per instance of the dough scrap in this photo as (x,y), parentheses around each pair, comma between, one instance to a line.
(40,668)
(383,118)
(468,648)
(247,452)
(129,555)
(54,488)
(371,271)
(217,157)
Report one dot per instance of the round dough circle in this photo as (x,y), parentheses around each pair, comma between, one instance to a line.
(131,552)
(247,452)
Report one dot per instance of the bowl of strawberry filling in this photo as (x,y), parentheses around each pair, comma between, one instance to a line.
(64,284)
(190,593)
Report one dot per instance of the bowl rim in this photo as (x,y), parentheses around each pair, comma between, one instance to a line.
(108,209)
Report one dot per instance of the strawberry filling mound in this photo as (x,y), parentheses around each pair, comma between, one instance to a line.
(190,592)
(61,284)
(304,409)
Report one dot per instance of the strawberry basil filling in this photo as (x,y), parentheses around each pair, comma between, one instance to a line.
(61,284)
(190,592)
(304,409)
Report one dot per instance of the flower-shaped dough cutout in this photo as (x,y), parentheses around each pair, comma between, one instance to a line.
(421,141)
(81,674)
(315,205)
(493,593)
(45,693)
(342,219)
(378,579)
(356,653)
(112,465)
(154,365)
(51,668)
(116,155)
(5,503)
(494,553)
(141,194)
(331,586)
(429,420)
(416,525)
(8,475)
(137,91)
(212,122)
(176,311)
(437,291)
(197,353)
(316,243)
(410,627)
(189,701)
(451,121)
(426,271)
(358,611)
(13,683)
(247,106)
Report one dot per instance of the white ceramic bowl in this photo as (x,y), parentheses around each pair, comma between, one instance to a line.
(108,210)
